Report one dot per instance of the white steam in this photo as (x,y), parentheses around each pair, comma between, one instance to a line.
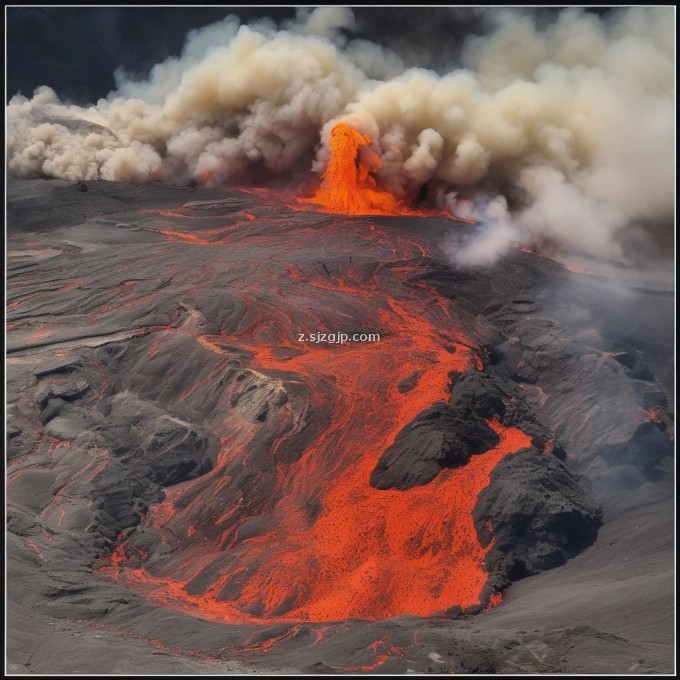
(572,123)
(498,234)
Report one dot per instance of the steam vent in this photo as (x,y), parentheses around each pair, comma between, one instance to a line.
(340,341)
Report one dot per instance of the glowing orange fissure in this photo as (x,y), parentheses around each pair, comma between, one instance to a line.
(367,553)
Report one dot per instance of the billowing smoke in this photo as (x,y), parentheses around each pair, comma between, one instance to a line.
(568,127)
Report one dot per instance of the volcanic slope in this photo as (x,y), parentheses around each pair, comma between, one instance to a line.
(194,488)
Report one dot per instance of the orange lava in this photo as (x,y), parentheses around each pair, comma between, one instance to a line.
(383,650)
(494,601)
(654,414)
(331,547)
(370,554)
(348,187)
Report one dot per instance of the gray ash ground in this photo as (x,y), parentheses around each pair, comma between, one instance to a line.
(112,402)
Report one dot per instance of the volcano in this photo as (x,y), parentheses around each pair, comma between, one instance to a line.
(340,341)
(249,436)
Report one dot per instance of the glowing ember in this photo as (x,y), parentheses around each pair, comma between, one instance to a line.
(494,601)
(654,414)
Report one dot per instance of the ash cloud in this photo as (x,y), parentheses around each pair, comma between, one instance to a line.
(564,121)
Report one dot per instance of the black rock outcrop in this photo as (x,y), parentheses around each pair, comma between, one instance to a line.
(538,513)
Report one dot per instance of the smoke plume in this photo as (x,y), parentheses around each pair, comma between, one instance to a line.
(567,127)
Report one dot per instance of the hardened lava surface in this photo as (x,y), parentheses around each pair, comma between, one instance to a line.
(195,486)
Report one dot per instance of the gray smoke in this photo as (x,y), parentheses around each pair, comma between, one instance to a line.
(567,128)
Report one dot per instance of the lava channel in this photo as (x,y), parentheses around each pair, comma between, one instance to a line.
(272,533)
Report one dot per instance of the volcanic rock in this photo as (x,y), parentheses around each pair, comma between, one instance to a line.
(539,515)
(479,393)
(652,400)
(637,369)
(645,449)
(438,438)
(408,383)
(58,366)
(174,451)
(70,390)
(256,394)
(442,437)
(65,428)
(188,183)
(319,668)
(488,394)
(252,530)
(52,407)
(13,431)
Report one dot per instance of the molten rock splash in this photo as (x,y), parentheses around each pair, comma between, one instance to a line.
(348,186)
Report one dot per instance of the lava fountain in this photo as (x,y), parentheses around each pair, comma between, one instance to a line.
(348,186)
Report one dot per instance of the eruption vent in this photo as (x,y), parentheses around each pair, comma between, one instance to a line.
(348,186)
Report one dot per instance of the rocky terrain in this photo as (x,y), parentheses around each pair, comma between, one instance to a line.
(192,489)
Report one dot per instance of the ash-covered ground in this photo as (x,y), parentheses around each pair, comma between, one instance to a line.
(191,489)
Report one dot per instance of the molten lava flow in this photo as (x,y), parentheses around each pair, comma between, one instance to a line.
(287,527)
(348,187)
